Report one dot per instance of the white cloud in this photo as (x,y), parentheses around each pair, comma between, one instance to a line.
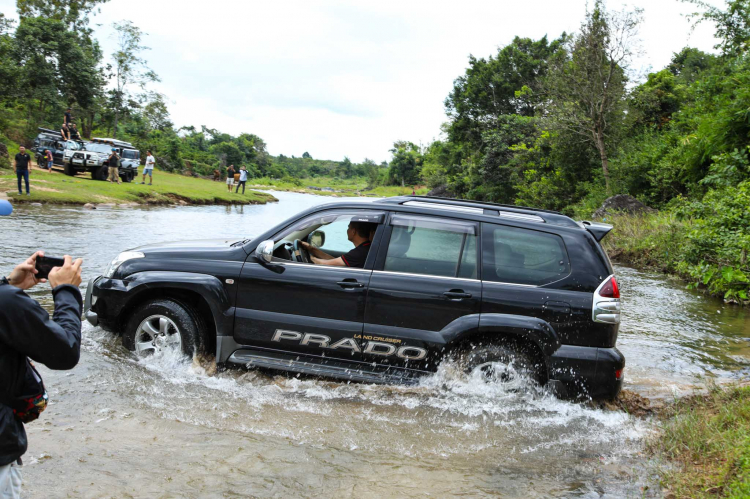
(339,78)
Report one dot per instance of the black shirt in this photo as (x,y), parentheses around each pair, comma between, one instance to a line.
(22,161)
(357,256)
(68,117)
(114,160)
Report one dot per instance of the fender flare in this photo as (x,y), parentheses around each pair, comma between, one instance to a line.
(209,287)
(521,327)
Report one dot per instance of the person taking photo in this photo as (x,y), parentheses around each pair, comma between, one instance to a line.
(28,333)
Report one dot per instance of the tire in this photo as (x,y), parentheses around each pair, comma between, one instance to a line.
(162,324)
(99,173)
(127,177)
(69,171)
(516,364)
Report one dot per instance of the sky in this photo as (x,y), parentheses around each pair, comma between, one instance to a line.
(336,78)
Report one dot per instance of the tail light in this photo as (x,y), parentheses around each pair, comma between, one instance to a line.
(606,306)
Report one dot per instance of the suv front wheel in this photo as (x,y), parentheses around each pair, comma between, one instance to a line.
(502,363)
(162,325)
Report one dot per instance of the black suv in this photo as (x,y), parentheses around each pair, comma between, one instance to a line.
(52,140)
(506,291)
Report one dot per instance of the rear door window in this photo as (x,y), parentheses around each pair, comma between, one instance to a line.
(432,246)
(522,256)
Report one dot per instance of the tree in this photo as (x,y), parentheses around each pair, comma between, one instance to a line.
(156,113)
(306,155)
(73,13)
(732,25)
(129,68)
(406,162)
(498,86)
(585,87)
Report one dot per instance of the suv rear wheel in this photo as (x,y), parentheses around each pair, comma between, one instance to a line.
(100,173)
(164,324)
(502,363)
(69,171)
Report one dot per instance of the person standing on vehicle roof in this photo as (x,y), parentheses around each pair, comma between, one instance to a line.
(230,177)
(114,167)
(27,332)
(149,168)
(48,157)
(243,179)
(68,116)
(21,168)
(359,234)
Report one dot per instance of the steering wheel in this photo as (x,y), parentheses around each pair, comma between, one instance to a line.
(300,254)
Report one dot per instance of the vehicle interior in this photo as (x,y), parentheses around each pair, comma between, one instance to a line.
(327,232)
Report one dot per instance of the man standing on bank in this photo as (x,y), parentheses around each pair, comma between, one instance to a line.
(114,167)
(27,332)
(230,177)
(149,168)
(243,179)
(21,168)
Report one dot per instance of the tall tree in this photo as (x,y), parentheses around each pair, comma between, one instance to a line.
(585,86)
(130,69)
(497,86)
(406,162)
(73,13)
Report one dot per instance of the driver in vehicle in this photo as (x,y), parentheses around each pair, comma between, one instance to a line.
(359,234)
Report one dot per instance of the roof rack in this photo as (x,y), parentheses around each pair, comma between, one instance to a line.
(520,213)
(466,202)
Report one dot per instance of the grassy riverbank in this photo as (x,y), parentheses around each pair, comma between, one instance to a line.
(57,188)
(707,243)
(335,187)
(708,438)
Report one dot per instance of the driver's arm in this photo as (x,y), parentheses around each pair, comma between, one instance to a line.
(333,262)
(316,252)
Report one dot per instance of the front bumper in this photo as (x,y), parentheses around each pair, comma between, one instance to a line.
(104,301)
(598,373)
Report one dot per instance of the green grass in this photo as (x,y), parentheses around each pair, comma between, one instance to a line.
(708,437)
(344,187)
(57,188)
(646,241)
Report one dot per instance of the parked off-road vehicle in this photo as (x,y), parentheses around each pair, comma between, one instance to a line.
(94,158)
(507,291)
(52,140)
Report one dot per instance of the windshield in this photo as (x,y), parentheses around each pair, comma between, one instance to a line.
(72,146)
(102,148)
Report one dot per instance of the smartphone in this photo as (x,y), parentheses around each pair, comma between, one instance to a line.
(44,264)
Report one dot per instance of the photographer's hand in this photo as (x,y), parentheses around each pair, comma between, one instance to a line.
(24,275)
(69,273)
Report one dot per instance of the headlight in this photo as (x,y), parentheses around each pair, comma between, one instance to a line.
(122,258)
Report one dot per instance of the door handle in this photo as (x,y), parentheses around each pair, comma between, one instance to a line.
(350,284)
(456,294)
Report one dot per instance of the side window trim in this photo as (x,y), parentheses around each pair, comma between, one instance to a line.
(388,231)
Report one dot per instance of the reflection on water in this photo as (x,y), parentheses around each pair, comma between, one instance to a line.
(167,426)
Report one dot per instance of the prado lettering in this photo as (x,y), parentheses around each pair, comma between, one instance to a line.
(371,347)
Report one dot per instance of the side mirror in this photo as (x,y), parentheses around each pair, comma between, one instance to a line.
(264,251)
(317,238)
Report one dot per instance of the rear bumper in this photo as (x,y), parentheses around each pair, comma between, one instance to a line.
(589,371)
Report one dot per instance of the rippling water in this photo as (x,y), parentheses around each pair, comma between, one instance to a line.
(167,426)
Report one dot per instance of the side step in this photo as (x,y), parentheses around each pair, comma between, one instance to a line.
(330,368)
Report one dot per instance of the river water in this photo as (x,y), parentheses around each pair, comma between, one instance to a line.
(171,427)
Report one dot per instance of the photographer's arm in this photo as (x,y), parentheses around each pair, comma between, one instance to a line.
(27,327)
